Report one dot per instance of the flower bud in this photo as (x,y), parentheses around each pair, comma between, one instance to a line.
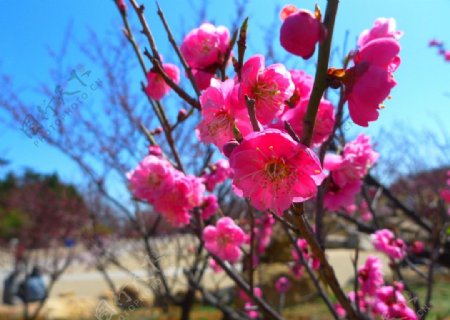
(154,151)
(300,32)
(229,147)
(182,114)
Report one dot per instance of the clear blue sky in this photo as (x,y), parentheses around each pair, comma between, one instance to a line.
(28,27)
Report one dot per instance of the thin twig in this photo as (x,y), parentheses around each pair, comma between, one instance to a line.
(241,47)
(326,269)
(311,274)
(252,113)
(172,41)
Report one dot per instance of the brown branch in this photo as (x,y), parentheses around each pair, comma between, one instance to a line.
(241,47)
(268,310)
(177,50)
(156,60)
(326,269)
(250,103)
(311,274)
(320,80)
(370,180)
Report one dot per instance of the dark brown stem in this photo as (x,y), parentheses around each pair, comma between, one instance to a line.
(326,269)
(370,180)
(169,137)
(320,80)
(155,58)
(177,50)
(252,113)
(266,308)
(252,248)
(160,114)
(180,92)
(362,227)
(290,131)
(413,296)
(223,67)
(311,274)
(241,47)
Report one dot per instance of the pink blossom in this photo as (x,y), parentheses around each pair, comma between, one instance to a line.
(215,266)
(350,209)
(369,82)
(263,232)
(382,28)
(224,239)
(447,55)
(340,310)
(282,285)
(171,192)
(324,120)
(370,276)
(157,87)
(185,193)
(273,170)
(346,171)
(338,197)
(364,212)
(445,194)
(209,206)
(251,310)
(360,154)
(202,78)
(297,269)
(300,32)
(435,43)
(270,87)
(287,10)
(417,247)
(391,304)
(220,115)
(385,241)
(154,151)
(220,171)
(205,46)
(312,261)
(303,83)
(363,304)
(343,183)
(152,178)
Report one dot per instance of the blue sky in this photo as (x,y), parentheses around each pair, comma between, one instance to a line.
(28,27)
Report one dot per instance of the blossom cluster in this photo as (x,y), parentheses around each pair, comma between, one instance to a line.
(370,80)
(346,171)
(170,191)
(384,240)
(224,239)
(375,297)
(306,257)
(257,120)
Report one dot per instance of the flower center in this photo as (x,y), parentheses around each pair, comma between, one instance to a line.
(154,180)
(277,169)
(222,121)
(265,90)
(223,240)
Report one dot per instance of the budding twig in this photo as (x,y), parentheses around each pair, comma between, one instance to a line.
(252,113)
